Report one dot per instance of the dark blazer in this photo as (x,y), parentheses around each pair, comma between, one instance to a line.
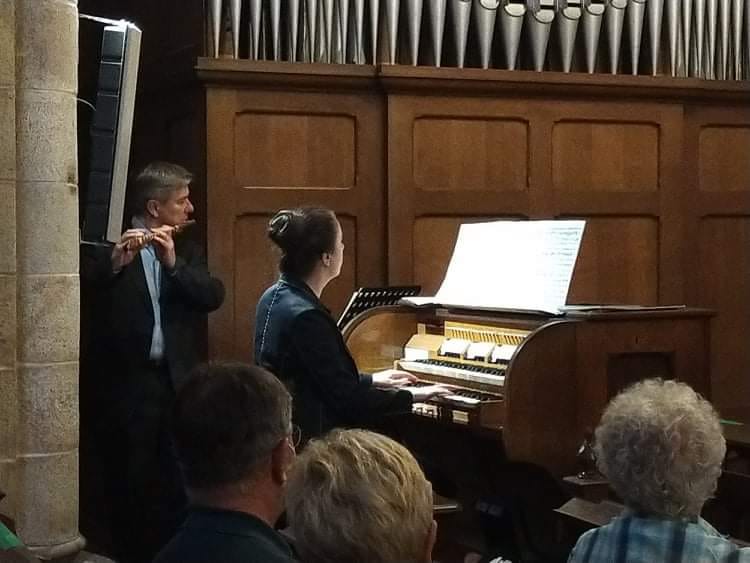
(224,536)
(297,339)
(124,317)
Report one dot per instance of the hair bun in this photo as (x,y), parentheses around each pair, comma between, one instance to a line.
(280,227)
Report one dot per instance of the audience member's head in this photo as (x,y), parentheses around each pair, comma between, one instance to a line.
(359,496)
(232,431)
(660,445)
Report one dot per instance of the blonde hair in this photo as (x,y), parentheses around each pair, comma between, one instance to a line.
(357,496)
(660,445)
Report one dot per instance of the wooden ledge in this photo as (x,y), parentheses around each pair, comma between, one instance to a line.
(424,80)
(284,75)
(477,81)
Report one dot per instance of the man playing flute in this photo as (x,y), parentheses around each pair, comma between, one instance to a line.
(151,290)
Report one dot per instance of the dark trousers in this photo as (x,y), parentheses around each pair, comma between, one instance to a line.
(149,495)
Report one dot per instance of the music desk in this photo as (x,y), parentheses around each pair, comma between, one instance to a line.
(444,505)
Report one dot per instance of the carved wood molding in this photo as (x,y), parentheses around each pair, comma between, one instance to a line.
(471,82)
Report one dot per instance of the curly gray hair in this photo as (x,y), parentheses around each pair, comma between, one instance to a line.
(660,445)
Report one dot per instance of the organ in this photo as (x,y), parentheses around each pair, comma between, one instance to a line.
(531,383)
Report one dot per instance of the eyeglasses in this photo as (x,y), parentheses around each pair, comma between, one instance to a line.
(295,436)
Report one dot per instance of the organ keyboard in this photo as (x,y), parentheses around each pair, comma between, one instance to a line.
(536,382)
(473,360)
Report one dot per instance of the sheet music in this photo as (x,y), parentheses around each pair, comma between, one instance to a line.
(524,265)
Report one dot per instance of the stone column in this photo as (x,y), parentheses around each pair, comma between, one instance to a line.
(8,403)
(46,466)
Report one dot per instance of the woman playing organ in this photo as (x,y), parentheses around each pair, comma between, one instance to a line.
(297,339)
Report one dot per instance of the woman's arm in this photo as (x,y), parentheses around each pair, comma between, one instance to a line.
(320,352)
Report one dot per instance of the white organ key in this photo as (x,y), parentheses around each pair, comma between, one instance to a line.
(454,347)
(456,373)
(502,353)
(462,399)
(479,350)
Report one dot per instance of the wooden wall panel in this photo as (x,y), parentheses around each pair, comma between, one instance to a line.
(277,150)
(717,216)
(612,157)
(608,163)
(618,262)
(724,158)
(451,158)
(658,168)
(723,263)
(273,150)
(460,154)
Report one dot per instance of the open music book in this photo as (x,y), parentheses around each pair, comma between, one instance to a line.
(510,265)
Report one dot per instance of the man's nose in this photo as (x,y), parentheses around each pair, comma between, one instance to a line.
(190,207)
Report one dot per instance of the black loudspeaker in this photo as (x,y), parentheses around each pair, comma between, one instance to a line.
(111,131)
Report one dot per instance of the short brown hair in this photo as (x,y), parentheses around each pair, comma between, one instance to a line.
(227,420)
(355,495)
(156,181)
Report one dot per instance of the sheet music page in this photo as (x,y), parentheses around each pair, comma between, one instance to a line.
(523,265)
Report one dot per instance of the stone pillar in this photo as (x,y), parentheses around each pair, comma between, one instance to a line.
(8,403)
(47,302)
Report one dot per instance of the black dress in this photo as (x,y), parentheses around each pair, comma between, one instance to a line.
(297,339)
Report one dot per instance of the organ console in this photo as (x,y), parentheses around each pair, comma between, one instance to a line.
(531,382)
(526,390)
(473,360)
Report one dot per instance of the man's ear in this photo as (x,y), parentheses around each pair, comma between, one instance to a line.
(326,257)
(152,208)
(282,457)
(430,543)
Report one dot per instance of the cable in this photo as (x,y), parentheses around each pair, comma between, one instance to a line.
(86,102)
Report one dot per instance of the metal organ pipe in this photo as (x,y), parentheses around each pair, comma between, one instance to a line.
(708,39)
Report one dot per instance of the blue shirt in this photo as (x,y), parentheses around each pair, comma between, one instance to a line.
(631,538)
(152,269)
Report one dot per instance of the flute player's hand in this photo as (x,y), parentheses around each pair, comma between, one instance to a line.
(164,245)
(124,251)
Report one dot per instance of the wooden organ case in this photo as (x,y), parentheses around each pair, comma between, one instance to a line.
(539,399)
